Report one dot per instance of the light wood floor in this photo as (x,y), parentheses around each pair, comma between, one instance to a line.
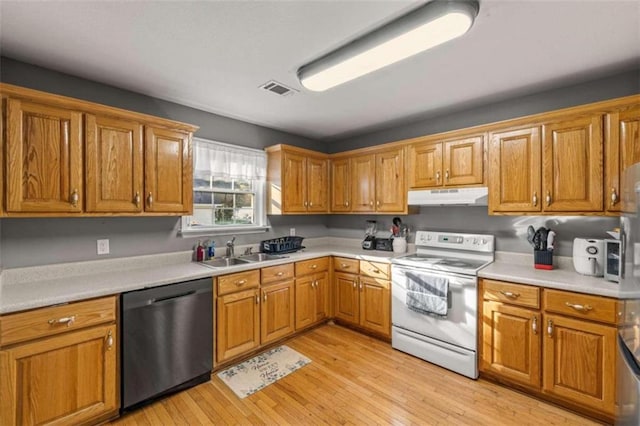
(354,380)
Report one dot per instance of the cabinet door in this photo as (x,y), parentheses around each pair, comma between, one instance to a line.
(375,305)
(623,150)
(276,318)
(294,183)
(579,362)
(511,346)
(340,185)
(515,171)
(305,302)
(168,173)
(44,159)
(464,161)
(113,165)
(363,181)
(425,165)
(238,324)
(66,379)
(572,165)
(321,293)
(317,185)
(390,186)
(347,297)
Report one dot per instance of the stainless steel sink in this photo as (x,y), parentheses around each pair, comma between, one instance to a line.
(225,262)
(261,257)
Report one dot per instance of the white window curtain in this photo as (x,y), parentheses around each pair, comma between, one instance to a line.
(228,161)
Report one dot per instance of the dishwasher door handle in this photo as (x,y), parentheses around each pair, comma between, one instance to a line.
(176,296)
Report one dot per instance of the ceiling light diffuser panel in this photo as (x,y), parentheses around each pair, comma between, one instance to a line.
(428,26)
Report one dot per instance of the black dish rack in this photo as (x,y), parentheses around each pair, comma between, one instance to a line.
(281,245)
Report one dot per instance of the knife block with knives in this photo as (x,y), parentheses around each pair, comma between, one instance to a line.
(542,241)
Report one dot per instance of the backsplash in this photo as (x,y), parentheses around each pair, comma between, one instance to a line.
(510,231)
(43,241)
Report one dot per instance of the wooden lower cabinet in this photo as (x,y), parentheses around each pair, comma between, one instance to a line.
(277,311)
(312,299)
(238,324)
(66,379)
(579,362)
(347,306)
(375,305)
(511,342)
(363,300)
(563,349)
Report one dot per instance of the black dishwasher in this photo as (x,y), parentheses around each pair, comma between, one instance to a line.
(167,340)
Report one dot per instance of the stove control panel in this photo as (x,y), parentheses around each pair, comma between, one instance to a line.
(471,242)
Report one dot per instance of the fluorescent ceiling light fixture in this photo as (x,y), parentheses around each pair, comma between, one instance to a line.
(430,25)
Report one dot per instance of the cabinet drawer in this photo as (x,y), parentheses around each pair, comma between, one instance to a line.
(311,266)
(240,281)
(584,306)
(53,320)
(276,273)
(375,269)
(513,294)
(344,264)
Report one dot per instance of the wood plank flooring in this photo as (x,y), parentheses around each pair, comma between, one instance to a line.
(355,380)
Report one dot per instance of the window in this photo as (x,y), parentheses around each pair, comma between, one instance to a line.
(228,189)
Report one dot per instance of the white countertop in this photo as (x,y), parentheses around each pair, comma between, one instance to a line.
(518,268)
(33,287)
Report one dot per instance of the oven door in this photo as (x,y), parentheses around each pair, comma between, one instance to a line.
(457,328)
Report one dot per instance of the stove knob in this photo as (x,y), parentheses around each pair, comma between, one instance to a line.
(483,241)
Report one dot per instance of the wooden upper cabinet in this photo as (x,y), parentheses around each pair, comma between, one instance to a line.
(44,158)
(623,150)
(114,165)
(66,156)
(363,183)
(340,185)
(297,181)
(450,163)
(168,176)
(317,185)
(515,171)
(390,188)
(294,194)
(378,182)
(425,165)
(572,153)
(464,161)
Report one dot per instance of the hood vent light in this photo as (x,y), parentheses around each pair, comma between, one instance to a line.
(278,88)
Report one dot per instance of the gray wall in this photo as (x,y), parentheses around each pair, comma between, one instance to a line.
(212,126)
(510,231)
(25,242)
(614,86)
(29,242)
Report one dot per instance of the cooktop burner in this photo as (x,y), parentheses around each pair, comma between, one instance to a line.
(463,253)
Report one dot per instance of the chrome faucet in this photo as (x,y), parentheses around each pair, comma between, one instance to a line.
(230,247)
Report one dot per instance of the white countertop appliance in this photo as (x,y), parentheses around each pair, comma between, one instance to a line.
(588,256)
(434,298)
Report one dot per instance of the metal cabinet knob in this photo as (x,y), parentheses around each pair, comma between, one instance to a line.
(438,176)
(136,199)
(64,320)
(534,325)
(446,175)
(534,201)
(150,199)
(548,198)
(109,340)
(75,198)
(579,308)
(550,328)
(614,197)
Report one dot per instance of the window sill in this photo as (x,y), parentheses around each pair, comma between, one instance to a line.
(205,232)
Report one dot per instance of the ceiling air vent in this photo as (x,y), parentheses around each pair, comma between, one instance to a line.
(278,88)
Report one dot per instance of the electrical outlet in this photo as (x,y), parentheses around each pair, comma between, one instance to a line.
(292,232)
(103,246)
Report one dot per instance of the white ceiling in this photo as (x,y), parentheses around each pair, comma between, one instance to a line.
(214,55)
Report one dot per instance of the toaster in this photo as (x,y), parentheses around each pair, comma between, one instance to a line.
(384,244)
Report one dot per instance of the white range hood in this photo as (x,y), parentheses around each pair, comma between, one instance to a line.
(446,197)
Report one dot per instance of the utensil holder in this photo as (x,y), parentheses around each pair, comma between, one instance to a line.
(543,259)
